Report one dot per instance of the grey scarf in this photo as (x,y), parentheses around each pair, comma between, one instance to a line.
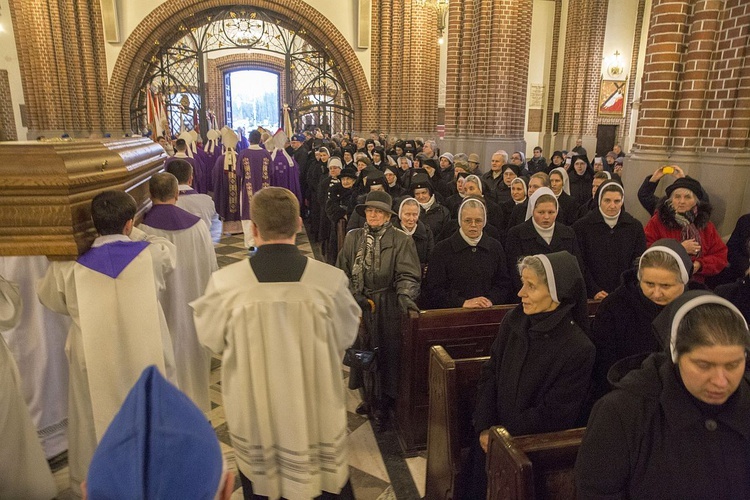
(367,259)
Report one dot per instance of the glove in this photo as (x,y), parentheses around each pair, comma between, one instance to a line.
(406,304)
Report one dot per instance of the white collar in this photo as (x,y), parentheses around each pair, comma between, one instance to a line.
(109,238)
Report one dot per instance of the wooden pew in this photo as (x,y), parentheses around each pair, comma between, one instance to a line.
(533,467)
(463,333)
(453,387)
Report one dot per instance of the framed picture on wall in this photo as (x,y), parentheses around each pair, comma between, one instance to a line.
(612,97)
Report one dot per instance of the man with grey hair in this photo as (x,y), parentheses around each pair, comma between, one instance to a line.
(429,149)
(494,177)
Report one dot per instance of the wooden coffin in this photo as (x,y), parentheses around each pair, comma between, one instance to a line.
(46,188)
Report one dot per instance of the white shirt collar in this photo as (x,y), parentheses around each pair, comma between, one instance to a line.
(109,238)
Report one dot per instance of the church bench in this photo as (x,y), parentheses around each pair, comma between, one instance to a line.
(463,333)
(532,467)
(453,388)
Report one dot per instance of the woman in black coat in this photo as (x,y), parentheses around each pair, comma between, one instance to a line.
(538,374)
(679,426)
(432,212)
(540,234)
(610,239)
(622,325)
(408,221)
(467,269)
(567,206)
(581,175)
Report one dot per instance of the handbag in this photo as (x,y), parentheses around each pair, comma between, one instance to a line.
(360,358)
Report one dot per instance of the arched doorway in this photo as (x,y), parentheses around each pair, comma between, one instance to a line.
(169,25)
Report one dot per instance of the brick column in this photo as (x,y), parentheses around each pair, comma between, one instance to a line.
(661,72)
(7,120)
(404,66)
(486,79)
(695,109)
(63,67)
(582,72)
(691,102)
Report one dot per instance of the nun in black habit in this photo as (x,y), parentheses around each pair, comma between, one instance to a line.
(539,371)
(540,234)
(610,240)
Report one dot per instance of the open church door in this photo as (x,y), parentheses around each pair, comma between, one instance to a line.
(228,98)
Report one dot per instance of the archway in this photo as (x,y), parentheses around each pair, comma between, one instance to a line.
(167,22)
(217,68)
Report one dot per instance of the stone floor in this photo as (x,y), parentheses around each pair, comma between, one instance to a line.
(377,467)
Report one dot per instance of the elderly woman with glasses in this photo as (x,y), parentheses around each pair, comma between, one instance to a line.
(383,267)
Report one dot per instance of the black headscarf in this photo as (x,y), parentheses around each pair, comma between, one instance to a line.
(667,322)
(566,284)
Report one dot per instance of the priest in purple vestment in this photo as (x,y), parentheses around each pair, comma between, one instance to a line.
(225,181)
(254,173)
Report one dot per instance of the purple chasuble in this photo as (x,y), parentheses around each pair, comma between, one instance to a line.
(111,258)
(285,173)
(226,191)
(198,175)
(253,173)
(169,218)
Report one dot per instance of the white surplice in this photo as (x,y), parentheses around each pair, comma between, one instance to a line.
(38,346)
(118,329)
(283,392)
(24,472)
(196,260)
(202,206)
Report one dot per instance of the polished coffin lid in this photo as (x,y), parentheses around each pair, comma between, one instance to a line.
(46,188)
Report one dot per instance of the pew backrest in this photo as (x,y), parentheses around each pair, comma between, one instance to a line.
(463,333)
(533,467)
(453,389)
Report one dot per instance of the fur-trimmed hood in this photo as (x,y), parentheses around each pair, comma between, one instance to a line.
(666,216)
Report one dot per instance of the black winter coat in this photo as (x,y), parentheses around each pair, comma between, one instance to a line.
(518,214)
(608,252)
(457,272)
(622,328)
(567,208)
(523,240)
(538,374)
(580,186)
(437,218)
(738,256)
(738,293)
(650,438)
(423,239)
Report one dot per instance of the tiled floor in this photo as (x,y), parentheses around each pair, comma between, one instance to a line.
(377,468)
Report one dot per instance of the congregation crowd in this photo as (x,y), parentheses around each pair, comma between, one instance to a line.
(658,376)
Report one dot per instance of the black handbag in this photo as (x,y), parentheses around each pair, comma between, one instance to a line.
(359,358)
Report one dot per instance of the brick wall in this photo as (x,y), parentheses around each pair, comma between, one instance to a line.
(696,82)
(404,65)
(7,121)
(63,68)
(162,23)
(582,69)
(552,79)
(485,96)
(216,68)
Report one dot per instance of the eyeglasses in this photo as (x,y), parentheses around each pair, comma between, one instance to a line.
(473,222)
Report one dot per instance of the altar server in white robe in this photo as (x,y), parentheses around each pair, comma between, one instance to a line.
(118,327)
(194,202)
(281,324)
(24,472)
(38,346)
(196,260)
